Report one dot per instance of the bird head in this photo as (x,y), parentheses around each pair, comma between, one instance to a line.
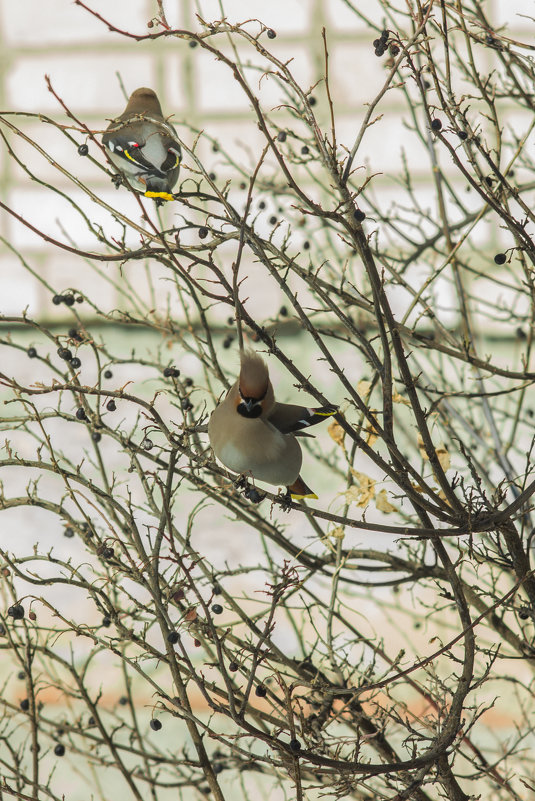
(255,393)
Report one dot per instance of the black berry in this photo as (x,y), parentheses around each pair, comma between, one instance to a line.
(271,33)
(76,363)
(57,299)
(173,637)
(192,43)
(312,101)
(96,436)
(111,405)
(80,414)
(393,50)
(83,150)
(171,372)
(123,700)
(21,675)
(233,667)
(500,258)
(281,137)
(261,691)
(155,725)
(203,232)
(272,220)
(106,621)
(295,745)
(211,176)
(359,215)
(32,353)
(68,300)
(68,532)
(217,609)
(186,404)
(462,135)
(283,311)
(305,150)
(25,704)
(227,342)
(523,613)
(65,353)
(59,750)
(16,612)
(262,204)
(188,382)
(436,125)
(108,374)
(108,553)
(147,444)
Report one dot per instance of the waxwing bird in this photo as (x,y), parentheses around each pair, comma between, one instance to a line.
(144,147)
(252,434)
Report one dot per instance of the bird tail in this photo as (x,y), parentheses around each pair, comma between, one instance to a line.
(299,490)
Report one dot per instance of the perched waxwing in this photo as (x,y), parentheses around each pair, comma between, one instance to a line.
(255,436)
(144,147)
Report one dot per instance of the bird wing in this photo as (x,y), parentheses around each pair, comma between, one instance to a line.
(291,419)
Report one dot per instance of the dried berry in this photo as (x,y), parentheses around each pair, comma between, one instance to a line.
(295,745)
(65,353)
(16,611)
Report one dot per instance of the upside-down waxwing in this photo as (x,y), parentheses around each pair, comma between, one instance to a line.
(144,147)
(254,435)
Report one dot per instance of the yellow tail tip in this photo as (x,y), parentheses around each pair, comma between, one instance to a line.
(161,195)
(302,497)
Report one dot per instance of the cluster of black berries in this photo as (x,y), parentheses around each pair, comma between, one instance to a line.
(381,45)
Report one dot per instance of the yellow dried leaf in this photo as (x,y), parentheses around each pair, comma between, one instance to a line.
(363,388)
(397,398)
(362,492)
(383,504)
(441,451)
(337,533)
(372,432)
(336,432)
(443,457)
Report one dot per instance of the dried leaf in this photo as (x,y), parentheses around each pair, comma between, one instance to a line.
(383,504)
(336,432)
(363,492)
(443,457)
(441,451)
(372,432)
(364,388)
(337,533)
(397,398)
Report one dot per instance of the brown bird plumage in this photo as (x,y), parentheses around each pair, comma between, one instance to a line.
(254,435)
(143,145)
